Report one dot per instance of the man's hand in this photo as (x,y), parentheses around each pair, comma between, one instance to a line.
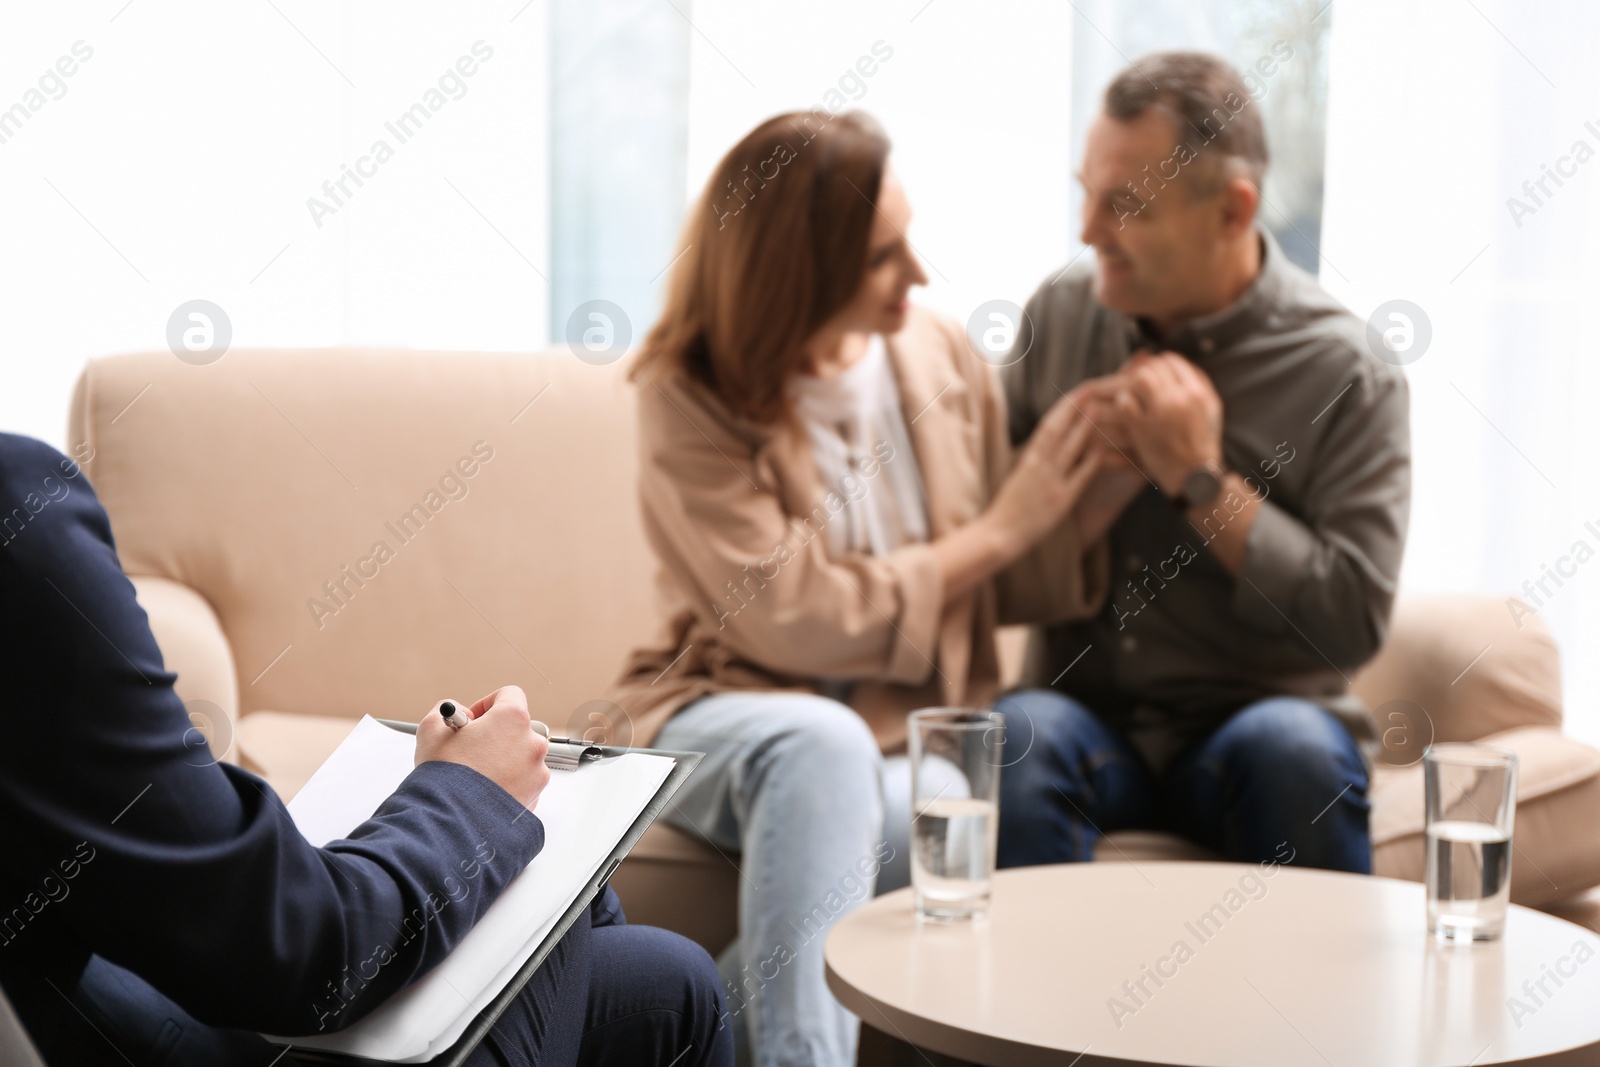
(499,743)
(1173,417)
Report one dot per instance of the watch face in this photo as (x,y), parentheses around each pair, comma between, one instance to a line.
(1201,486)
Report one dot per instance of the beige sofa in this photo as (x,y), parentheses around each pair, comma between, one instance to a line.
(321,534)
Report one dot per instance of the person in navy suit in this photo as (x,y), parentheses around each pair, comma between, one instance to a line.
(158,908)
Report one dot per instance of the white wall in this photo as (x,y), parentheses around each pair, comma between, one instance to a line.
(1438,113)
(176,162)
(976,98)
(179,160)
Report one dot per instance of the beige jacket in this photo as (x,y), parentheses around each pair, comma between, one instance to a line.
(750,599)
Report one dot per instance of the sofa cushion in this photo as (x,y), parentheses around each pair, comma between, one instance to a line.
(1148,846)
(1556,839)
(286,748)
(679,883)
(1469,666)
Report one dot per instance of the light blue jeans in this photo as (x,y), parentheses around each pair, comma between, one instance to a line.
(795,793)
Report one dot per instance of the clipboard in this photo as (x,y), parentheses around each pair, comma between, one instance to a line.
(456,1055)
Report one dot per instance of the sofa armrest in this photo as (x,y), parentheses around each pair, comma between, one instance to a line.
(194,648)
(1474,666)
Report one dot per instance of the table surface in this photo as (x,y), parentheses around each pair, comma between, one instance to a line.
(1225,965)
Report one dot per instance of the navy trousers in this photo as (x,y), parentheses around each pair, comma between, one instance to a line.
(608,993)
(1282,780)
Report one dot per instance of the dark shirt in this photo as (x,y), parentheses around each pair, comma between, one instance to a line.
(1310,418)
(122,837)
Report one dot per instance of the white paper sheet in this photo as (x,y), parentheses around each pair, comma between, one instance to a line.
(585,813)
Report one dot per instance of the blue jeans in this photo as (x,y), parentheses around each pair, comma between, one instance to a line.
(795,793)
(607,993)
(1281,778)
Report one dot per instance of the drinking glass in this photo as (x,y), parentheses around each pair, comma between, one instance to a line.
(1471,804)
(955,810)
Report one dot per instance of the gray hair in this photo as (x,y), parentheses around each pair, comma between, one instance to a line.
(1208,102)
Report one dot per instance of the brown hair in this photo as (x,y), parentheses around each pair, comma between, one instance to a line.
(775,246)
(1207,101)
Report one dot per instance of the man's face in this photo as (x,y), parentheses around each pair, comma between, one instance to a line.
(1154,245)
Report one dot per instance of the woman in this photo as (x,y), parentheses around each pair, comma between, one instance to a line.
(827,483)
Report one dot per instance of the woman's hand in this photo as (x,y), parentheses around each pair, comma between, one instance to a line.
(499,743)
(1048,477)
(1120,478)
(1098,398)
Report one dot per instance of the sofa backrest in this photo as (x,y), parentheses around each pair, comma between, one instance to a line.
(261,480)
(379,529)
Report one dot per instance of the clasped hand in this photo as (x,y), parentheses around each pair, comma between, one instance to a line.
(1159,415)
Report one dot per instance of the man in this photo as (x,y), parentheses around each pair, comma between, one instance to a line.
(157,908)
(1253,506)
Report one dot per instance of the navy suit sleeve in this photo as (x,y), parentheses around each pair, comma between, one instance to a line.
(188,872)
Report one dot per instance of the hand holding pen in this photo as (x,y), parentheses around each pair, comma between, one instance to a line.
(455,716)
(502,744)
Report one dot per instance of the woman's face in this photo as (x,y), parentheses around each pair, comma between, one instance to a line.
(880,303)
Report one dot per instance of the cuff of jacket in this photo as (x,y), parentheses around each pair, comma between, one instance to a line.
(1278,553)
(502,832)
(915,633)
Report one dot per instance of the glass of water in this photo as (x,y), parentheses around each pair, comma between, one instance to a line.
(1472,801)
(955,810)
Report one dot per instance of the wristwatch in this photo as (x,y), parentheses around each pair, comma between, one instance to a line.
(1199,487)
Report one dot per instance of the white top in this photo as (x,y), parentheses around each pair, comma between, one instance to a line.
(863,453)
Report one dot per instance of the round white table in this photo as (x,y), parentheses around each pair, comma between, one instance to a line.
(1217,965)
